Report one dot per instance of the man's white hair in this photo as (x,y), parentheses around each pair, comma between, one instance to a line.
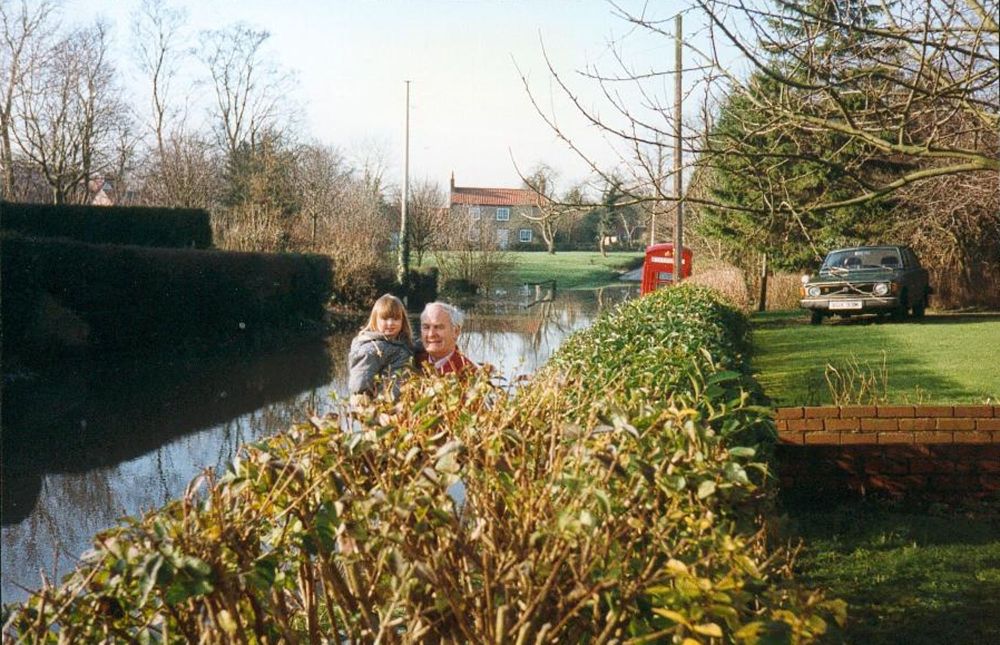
(455,314)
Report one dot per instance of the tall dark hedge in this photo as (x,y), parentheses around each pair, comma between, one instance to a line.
(136,299)
(138,226)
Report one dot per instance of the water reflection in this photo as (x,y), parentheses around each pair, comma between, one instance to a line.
(105,441)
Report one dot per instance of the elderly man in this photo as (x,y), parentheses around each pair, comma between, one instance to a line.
(440,326)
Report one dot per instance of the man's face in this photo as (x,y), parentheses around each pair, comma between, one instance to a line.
(437,333)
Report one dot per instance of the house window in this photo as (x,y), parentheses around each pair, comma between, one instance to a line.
(475,212)
(524,235)
(503,238)
(503,214)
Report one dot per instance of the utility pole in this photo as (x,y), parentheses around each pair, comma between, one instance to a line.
(678,181)
(404,242)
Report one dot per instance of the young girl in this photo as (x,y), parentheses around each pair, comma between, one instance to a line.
(382,349)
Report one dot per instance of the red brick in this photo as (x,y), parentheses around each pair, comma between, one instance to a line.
(931,466)
(933,411)
(791,437)
(933,437)
(956,424)
(894,411)
(973,437)
(989,483)
(823,412)
(858,438)
(805,424)
(955,482)
(895,437)
(879,424)
(781,425)
(916,450)
(857,411)
(833,425)
(916,424)
(965,466)
(788,413)
(828,438)
(887,466)
(978,411)
(988,424)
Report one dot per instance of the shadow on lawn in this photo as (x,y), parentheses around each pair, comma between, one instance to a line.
(908,576)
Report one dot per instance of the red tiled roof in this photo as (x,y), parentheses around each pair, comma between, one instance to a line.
(493,196)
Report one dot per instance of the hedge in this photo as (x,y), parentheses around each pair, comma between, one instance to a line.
(620,503)
(136,226)
(136,299)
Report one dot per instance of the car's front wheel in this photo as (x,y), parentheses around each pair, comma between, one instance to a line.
(920,307)
(816,317)
(899,313)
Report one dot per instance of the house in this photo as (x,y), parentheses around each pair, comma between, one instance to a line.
(496,215)
(101,192)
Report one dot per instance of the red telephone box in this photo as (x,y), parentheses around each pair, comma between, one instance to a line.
(658,267)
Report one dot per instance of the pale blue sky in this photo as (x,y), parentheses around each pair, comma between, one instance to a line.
(469,111)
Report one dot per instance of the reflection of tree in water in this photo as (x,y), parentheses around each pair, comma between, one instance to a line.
(519,336)
(72,506)
(70,509)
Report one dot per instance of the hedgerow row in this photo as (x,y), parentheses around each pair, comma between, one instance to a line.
(620,497)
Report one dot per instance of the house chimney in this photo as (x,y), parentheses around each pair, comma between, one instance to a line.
(452,181)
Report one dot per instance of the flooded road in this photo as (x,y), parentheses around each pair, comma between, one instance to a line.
(101,442)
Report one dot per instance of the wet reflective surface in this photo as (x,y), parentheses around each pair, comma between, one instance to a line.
(97,442)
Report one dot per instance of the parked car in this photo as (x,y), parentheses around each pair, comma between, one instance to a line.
(867,280)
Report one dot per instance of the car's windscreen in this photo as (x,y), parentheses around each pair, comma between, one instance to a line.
(874,258)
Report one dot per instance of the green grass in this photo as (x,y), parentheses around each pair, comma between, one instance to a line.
(570,269)
(908,576)
(940,359)
(574,269)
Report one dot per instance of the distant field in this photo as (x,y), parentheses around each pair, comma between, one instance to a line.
(570,269)
(944,358)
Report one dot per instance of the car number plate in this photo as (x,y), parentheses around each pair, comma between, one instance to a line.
(845,304)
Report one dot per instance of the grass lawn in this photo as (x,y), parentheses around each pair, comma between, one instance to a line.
(944,358)
(570,269)
(908,576)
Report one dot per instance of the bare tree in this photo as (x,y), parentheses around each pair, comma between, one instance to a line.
(323,178)
(71,114)
(26,29)
(156,30)
(188,173)
(425,217)
(249,89)
(903,81)
(552,215)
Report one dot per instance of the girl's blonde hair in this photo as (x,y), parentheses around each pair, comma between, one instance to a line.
(389,306)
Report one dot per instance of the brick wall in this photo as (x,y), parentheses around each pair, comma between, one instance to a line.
(937,452)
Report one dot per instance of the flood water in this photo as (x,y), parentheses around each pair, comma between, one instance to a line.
(101,442)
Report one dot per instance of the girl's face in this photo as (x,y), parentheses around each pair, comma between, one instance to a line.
(389,326)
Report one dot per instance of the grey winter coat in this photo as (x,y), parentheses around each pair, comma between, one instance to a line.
(373,355)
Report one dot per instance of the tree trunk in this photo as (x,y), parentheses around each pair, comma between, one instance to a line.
(762,302)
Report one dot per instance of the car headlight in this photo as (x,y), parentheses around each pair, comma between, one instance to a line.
(881,289)
(813,292)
